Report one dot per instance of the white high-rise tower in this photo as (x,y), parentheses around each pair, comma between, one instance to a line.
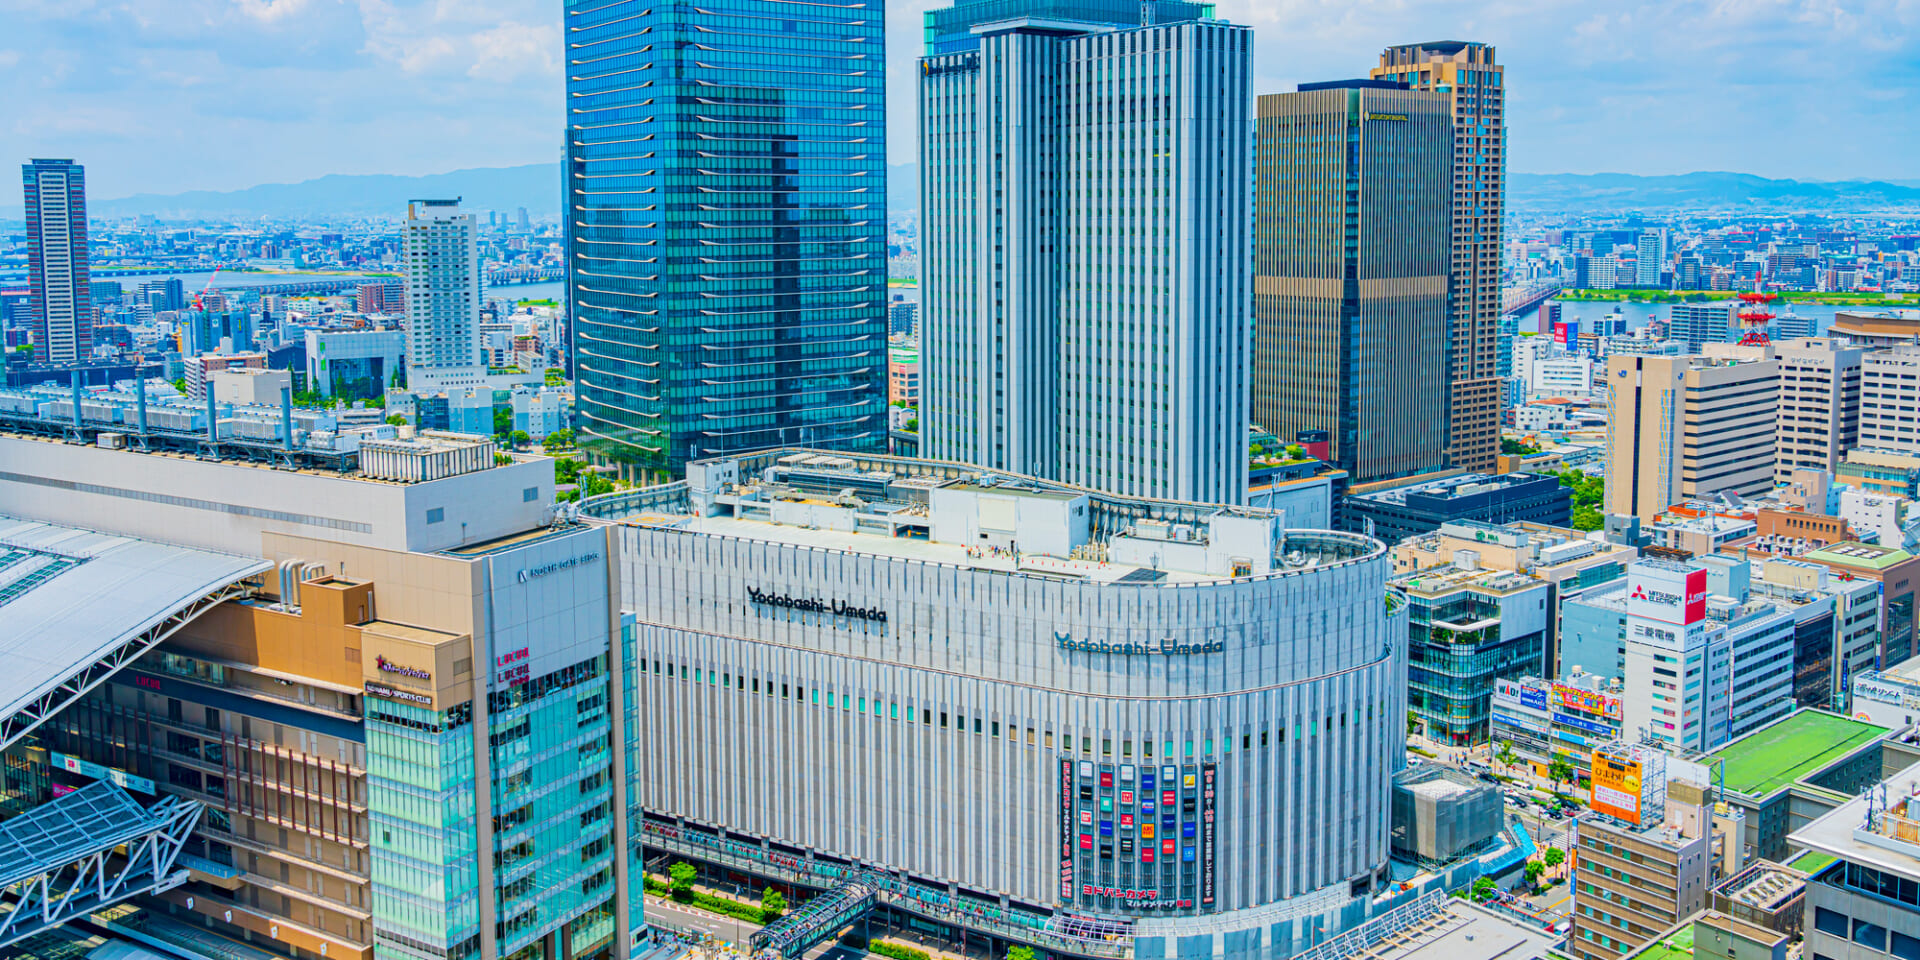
(443,298)
(1085,200)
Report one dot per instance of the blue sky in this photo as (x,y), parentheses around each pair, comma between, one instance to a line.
(168,95)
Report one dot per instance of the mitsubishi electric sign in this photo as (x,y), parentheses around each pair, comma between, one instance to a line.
(1669,592)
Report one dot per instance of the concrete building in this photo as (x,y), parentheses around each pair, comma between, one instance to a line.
(1475,82)
(386,296)
(903,376)
(1351,260)
(1881,471)
(354,364)
(1685,428)
(198,371)
(1790,772)
(1565,559)
(1890,400)
(1650,256)
(540,410)
(1898,573)
(423,714)
(1396,513)
(1820,382)
(255,386)
(1865,903)
(1837,634)
(59,298)
(1876,331)
(776,614)
(1109,344)
(1698,324)
(1547,721)
(443,298)
(1564,376)
(1639,877)
(1469,630)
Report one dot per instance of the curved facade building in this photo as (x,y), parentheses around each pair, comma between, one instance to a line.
(1142,718)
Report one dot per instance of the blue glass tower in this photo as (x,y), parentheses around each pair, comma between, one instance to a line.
(726,210)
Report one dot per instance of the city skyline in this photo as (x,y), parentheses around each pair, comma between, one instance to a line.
(140,98)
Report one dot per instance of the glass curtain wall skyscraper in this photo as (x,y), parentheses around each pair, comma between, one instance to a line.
(726,212)
(1085,175)
(1351,207)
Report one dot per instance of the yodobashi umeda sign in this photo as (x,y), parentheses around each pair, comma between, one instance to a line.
(1164,647)
(838,608)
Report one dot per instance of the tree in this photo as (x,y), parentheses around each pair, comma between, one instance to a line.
(1019,953)
(772,904)
(1413,723)
(1483,889)
(1533,871)
(396,420)
(1560,771)
(502,421)
(180,384)
(520,439)
(1554,856)
(912,425)
(1505,754)
(1587,518)
(682,874)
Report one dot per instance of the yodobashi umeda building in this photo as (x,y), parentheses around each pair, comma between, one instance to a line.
(1101,724)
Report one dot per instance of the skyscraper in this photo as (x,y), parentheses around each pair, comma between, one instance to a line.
(726,213)
(1685,428)
(1352,201)
(1467,74)
(443,298)
(1649,257)
(59,305)
(1084,184)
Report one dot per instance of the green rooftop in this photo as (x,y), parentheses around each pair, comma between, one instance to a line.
(1679,946)
(1784,751)
(1867,555)
(1811,862)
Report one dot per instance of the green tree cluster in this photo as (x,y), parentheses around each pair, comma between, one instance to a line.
(1589,494)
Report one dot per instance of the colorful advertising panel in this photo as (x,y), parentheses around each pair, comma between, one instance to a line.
(1616,788)
(1599,704)
(1067,831)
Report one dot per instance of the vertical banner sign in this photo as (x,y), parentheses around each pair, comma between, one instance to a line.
(1207,788)
(1066,831)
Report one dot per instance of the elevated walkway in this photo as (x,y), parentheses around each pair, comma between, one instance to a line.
(87,850)
(818,919)
(1055,933)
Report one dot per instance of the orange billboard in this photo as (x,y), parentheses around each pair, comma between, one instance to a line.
(1616,787)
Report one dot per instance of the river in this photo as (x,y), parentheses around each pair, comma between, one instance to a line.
(196,282)
(1638,314)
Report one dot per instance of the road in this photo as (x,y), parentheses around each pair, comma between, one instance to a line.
(726,929)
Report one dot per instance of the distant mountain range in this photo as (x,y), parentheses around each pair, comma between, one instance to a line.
(536,186)
(1711,191)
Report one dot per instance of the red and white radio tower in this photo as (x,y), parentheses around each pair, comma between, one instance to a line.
(1754,314)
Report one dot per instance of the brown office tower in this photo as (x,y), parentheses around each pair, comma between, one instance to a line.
(1351,205)
(1467,73)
